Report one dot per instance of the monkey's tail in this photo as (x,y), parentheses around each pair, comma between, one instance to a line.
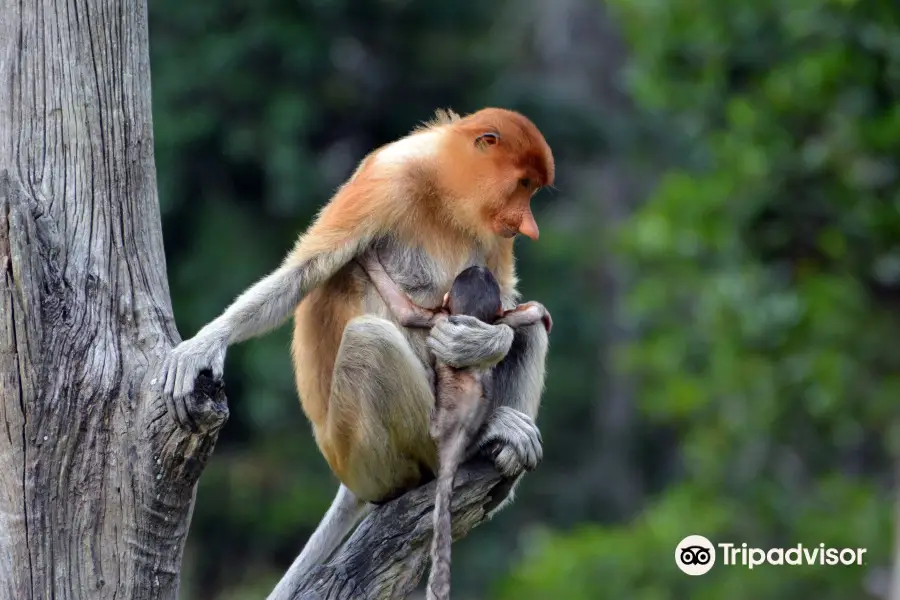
(438,587)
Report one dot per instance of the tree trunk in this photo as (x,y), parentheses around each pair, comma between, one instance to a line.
(96,481)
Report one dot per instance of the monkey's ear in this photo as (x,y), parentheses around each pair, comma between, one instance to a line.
(487,139)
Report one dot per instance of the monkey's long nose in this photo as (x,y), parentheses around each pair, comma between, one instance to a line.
(529,226)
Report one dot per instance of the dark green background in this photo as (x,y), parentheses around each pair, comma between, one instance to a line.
(720,255)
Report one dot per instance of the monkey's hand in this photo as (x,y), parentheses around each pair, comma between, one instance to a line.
(205,351)
(512,440)
(530,313)
(462,341)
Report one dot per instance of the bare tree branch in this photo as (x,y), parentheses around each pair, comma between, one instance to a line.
(386,556)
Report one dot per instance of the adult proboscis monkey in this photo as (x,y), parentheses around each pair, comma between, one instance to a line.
(452,194)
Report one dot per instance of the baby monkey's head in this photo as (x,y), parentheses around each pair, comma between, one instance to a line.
(476,293)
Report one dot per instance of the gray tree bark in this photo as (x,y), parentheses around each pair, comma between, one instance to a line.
(96,482)
(386,556)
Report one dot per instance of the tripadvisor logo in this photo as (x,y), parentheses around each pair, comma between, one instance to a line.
(696,555)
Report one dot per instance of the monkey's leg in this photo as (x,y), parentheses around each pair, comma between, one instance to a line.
(377,428)
(510,436)
(375,436)
(345,512)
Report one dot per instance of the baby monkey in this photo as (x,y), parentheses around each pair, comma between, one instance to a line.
(461,401)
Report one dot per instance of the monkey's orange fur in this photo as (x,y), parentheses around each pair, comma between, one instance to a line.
(452,185)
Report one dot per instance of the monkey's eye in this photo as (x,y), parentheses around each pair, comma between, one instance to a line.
(525,182)
(487,139)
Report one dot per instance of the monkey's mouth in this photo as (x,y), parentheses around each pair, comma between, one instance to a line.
(505,231)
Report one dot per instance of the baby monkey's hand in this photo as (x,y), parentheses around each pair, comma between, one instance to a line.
(528,313)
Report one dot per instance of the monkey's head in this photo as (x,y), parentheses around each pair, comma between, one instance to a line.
(475,292)
(499,160)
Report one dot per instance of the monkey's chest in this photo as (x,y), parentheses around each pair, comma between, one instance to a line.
(423,277)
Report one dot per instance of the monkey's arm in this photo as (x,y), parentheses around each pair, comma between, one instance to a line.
(510,435)
(333,240)
(527,314)
(408,313)
(462,341)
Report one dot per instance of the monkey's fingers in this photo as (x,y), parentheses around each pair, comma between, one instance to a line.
(539,309)
(437,347)
(515,441)
(174,370)
(507,461)
(530,443)
(179,410)
(168,376)
(176,407)
(185,377)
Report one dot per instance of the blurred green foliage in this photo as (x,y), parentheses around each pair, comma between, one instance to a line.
(757,283)
(766,263)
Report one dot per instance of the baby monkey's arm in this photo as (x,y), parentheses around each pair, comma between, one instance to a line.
(527,314)
(407,313)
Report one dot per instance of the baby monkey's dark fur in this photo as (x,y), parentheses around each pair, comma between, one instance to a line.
(461,404)
(476,293)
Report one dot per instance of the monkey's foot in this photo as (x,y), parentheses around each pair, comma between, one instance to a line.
(513,441)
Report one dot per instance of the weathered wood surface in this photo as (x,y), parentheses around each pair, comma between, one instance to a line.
(96,482)
(386,556)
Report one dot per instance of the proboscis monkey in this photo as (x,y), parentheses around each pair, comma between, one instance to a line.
(461,395)
(452,194)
